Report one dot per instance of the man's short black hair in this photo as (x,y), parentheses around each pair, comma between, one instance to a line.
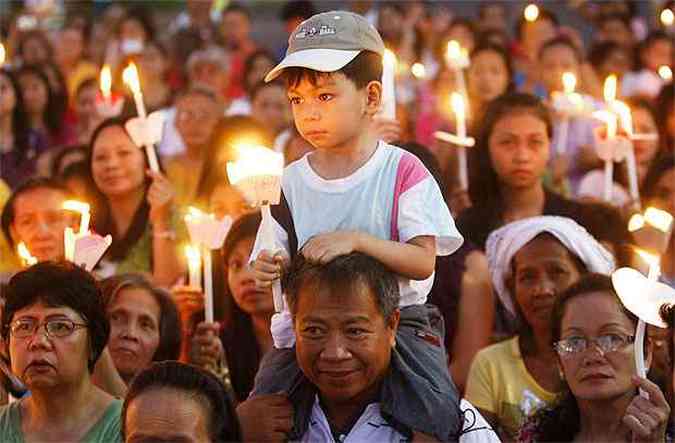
(237,7)
(60,284)
(565,41)
(365,68)
(342,275)
(9,211)
(196,383)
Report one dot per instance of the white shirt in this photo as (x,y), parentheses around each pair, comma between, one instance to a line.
(372,427)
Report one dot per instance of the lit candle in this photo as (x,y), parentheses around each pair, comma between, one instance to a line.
(69,239)
(3,54)
(667,17)
(130,77)
(208,286)
(418,70)
(531,12)
(457,59)
(666,73)
(457,101)
(26,258)
(194,265)
(83,210)
(653,275)
(569,81)
(257,174)
(389,85)
(106,84)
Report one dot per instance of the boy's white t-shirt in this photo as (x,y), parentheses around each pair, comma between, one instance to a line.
(392,197)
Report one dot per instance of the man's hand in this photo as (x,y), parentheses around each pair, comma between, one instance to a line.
(207,349)
(266,418)
(323,248)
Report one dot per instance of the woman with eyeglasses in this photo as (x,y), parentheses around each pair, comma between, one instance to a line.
(55,327)
(601,398)
(531,262)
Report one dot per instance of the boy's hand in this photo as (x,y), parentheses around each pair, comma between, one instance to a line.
(268,268)
(323,248)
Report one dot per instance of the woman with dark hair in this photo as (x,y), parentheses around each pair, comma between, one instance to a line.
(531,262)
(55,328)
(489,76)
(44,109)
(506,169)
(21,146)
(247,316)
(592,335)
(34,47)
(144,324)
(665,117)
(153,64)
(135,206)
(171,401)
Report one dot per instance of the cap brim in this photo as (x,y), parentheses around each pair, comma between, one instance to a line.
(322,60)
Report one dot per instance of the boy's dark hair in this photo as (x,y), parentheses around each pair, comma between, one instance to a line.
(56,285)
(365,68)
(237,7)
(261,85)
(544,14)
(169,321)
(196,383)
(565,41)
(9,211)
(303,9)
(342,275)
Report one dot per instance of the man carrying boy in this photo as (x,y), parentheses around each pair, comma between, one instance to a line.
(357,194)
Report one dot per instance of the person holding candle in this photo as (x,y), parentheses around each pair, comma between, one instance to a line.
(144,324)
(490,75)
(592,335)
(333,82)
(152,66)
(86,113)
(531,262)
(530,36)
(34,215)
(135,206)
(246,315)
(505,176)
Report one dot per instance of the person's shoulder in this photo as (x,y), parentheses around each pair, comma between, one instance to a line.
(497,352)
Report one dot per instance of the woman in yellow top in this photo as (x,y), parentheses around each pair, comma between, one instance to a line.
(531,262)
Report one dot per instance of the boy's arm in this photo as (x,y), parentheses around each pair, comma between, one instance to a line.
(415,259)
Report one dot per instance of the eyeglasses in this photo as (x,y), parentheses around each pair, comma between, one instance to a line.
(53,328)
(606,343)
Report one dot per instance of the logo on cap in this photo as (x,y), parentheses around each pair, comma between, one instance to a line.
(313,32)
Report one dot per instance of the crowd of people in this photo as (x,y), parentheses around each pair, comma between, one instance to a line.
(445,274)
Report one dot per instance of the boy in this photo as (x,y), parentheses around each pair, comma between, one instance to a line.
(354,193)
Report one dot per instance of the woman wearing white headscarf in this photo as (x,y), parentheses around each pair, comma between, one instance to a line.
(531,262)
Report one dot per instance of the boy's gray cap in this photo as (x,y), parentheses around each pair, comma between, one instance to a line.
(328,41)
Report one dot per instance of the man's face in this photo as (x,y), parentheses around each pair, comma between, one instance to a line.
(209,74)
(331,113)
(196,119)
(39,222)
(343,342)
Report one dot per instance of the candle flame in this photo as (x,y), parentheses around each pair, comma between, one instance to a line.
(418,70)
(610,120)
(659,219)
(609,90)
(193,256)
(666,73)
(652,260)
(457,103)
(667,17)
(389,58)
(255,161)
(625,116)
(76,206)
(531,12)
(28,259)
(130,78)
(636,223)
(569,81)
(454,50)
(106,81)
(3,54)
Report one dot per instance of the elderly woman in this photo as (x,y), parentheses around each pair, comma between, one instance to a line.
(55,327)
(346,316)
(531,262)
(171,401)
(144,324)
(592,334)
